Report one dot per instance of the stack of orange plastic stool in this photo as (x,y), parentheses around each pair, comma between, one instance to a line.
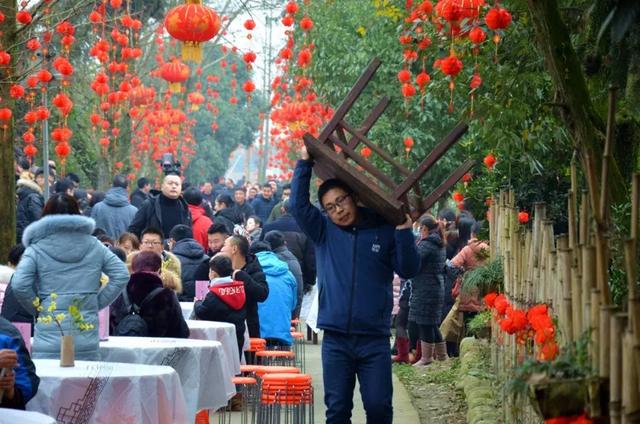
(286,395)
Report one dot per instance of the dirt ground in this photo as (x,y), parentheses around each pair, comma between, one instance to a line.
(433,392)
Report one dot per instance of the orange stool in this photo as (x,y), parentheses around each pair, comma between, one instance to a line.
(255,345)
(286,394)
(276,357)
(249,392)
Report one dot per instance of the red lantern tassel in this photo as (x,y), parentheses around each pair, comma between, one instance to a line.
(451,87)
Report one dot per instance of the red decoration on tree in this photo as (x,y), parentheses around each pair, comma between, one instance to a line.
(365,152)
(175,72)
(288,20)
(457,196)
(291,7)
(30,150)
(408,90)
(477,35)
(250,24)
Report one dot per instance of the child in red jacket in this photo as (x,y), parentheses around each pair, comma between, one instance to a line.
(226,300)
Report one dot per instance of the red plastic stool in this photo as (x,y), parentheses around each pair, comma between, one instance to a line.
(276,357)
(288,395)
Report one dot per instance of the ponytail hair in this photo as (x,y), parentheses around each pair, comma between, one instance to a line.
(432,225)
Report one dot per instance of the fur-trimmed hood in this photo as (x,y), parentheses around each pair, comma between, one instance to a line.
(29,184)
(65,238)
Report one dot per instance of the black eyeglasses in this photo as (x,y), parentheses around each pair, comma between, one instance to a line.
(340,201)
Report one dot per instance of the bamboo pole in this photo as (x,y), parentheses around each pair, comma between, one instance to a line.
(588,283)
(616,330)
(630,392)
(584,219)
(594,314)
(606,317)
(564,267)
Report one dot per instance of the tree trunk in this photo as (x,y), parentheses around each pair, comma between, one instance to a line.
(581,120)
(7,170)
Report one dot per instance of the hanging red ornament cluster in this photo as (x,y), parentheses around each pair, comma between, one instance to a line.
(457,26)
(296,108)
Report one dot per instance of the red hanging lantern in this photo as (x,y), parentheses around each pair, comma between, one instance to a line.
(24,17)
(192,24)
(175,72)
(249,24)
(404,76)
(5,114)
(288,20)
(5,58)
(291,8)
(477,35)
(498,18)
(30,150)
(196,99)
(306,23)
(408,144)
(16,91)
(457,196)
(365,152)
(62,150)
(489,161)
(523,217)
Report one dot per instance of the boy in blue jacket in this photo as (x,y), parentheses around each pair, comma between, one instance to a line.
(357,252)
(20,382)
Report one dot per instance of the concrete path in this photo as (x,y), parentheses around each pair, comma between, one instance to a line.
(404,412)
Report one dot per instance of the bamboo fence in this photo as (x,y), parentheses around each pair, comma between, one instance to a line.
(569,272)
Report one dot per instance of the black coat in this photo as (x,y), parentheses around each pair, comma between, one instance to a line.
(427,297)
(212,308)
(298,243)
(138,197)
(244,211)
(12,309)
(29,207)
(162,313)
(191,256)
(228,217)
(150,215)
(257,290)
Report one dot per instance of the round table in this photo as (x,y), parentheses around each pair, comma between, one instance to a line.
(222,332)
(187,308)
(104,392)
(12,416)
(199,363)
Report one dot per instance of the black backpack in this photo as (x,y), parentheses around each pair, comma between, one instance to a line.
(133,325)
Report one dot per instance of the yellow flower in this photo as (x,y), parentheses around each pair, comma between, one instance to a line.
(52,307)
(54,296)
(362,31)
(74,311)
(36,302)
(60,317)
(45,319)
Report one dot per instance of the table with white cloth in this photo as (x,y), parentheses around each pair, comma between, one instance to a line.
(199,363)
(106,392)
(14,416)
(187,309)
(222,332)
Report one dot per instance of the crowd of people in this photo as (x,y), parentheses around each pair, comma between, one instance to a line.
(141,252)
(260,248)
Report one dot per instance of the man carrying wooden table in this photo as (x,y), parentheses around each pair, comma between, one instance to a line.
(357,252)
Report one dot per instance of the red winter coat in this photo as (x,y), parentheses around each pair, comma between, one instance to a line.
(200,224)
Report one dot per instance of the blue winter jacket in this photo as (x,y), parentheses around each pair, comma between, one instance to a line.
(26,379)
(275,311)
(62,257)
(114,213)
(355,265)
(262,207)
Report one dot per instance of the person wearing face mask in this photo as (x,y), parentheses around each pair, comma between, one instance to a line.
(357,252)
(164,211)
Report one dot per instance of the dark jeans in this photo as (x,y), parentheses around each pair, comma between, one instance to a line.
(343,358)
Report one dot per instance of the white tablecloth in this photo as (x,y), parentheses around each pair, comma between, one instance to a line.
(15,416)
(187,308)
(101,392)
(222,332)
(199,363)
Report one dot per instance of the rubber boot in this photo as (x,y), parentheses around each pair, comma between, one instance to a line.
(427,354)
(402,343)
(417,355)
(441,351)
